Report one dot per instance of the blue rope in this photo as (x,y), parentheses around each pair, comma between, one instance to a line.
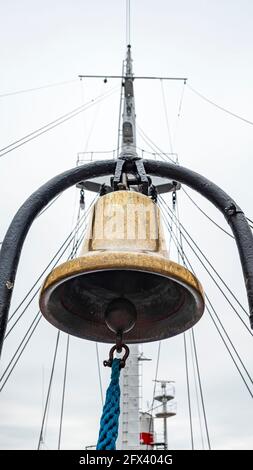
(109,422)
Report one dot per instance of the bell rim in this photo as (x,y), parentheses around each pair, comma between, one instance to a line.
(143,262)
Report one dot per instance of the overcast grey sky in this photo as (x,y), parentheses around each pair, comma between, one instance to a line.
(43,42)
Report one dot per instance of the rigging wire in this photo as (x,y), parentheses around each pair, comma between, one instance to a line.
(209,263)
(155,147)
(163,155)
(49,205)
(20,354)
(78,243)
(120,110)
(84,125)
(155,380)
(148,141)
(218,106)
(188,391)
(212,277)
(206,215)
(166,116)
(13,357)
(193,337)
(181,100)
(93,123)
(209,302)
(171,231)
(46,421)
(200,388)
(99,375)
(20,345)
(179,112)
(74,251)
(230,354)
(197,365)
(228,338)
(63,392)
(251,221)
(179,255)
(33,297)
(197,394)
(23,311)
(68,240)
(75,247)
(204,413)
(37,290)
(154,154)
(196,357)
(57,122)
(72,255)
(185,257)
(78,108)
(49,390)
(156,371)
(154,408)
(28,90)
(174,199)
(218,286)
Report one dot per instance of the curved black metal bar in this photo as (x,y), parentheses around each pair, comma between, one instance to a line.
(20,225)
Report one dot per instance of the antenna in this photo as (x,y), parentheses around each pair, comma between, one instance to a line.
(166,394)
(128,22)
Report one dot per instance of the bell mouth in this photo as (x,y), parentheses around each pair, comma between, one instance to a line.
(167,298)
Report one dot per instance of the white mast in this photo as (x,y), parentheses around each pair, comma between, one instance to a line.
(129,427)
(166,394)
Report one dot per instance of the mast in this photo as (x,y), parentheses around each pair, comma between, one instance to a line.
(166,394)
(128,143)
(129,427)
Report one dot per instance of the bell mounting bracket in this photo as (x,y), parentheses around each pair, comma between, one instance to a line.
(135,166)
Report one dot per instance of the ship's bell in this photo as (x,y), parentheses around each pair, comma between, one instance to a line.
(123,280)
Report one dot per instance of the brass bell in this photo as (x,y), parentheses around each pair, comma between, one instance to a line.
(123,280)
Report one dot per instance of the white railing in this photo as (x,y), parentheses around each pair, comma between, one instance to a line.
(91,156)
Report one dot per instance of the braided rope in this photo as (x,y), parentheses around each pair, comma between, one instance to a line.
(109,422)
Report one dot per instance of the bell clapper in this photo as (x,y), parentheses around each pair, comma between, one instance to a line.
(120,317)
(119,338)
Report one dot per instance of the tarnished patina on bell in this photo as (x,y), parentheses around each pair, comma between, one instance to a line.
(123,279)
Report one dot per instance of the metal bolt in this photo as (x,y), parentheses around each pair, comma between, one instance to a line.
(231,210)
(9,285)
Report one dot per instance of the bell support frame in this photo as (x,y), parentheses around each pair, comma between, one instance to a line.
(22,221)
